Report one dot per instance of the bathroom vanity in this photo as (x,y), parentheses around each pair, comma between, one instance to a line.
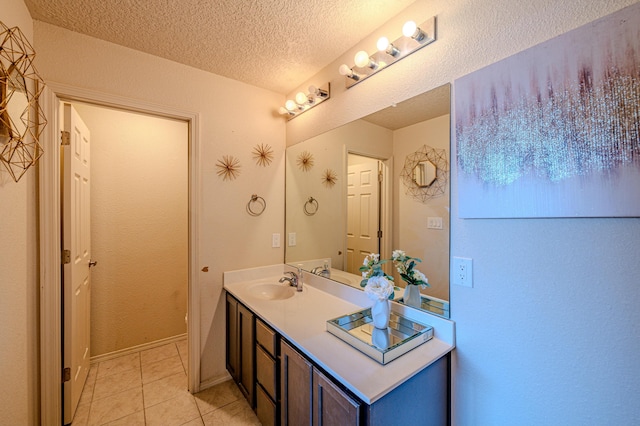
(293,372)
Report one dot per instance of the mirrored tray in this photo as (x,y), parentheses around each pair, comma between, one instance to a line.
(384,346)
(432,305)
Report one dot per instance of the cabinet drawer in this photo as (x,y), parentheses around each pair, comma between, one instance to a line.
(266,337)
(265,408)
(266,371)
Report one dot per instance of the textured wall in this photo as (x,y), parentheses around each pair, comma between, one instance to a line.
(139,227)
(549,333)
(20,403)
(234,117)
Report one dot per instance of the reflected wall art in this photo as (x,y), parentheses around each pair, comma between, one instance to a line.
(554,131)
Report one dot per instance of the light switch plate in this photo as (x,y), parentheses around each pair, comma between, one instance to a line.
(292,239)
(434,222)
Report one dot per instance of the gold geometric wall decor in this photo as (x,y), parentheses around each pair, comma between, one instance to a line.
(263,154)
(228,167)
(305,161)
(21,117)
(437,185)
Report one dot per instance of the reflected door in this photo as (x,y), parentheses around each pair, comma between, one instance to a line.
(363,211)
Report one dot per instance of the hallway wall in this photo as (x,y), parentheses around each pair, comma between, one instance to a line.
(139,227)
(19,317)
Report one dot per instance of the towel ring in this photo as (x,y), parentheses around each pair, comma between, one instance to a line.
(260,201)
(311,206)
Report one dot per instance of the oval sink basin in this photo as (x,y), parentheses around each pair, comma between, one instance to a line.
(269,291)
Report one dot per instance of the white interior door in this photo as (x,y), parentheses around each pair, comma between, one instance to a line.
(77,248)
(363,211)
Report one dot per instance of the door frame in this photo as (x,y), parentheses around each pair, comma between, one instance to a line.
(50,238)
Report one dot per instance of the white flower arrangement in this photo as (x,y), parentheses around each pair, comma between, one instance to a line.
(377,285)
(378,288)
(405,265)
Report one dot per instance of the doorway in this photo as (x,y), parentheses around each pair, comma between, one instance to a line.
(50,244)
(139,231)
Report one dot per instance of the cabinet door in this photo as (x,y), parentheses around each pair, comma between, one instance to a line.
(296,376)
(332,406)
(246,354)
(232,337)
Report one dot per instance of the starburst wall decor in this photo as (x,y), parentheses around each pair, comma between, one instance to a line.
(263,154)
(329,178)
(305,161)
(228,167)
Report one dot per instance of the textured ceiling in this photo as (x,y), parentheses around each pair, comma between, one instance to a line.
(273,44)
(425,106)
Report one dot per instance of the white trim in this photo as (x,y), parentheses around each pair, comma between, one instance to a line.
(138,348)
(50,268)
(212,382)
(49,198)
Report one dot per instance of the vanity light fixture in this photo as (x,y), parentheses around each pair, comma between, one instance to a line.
(348,72)
(413,38)
(303,102)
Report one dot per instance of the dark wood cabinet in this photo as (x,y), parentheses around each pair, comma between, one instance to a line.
(286,388)
(296,377)
(240,353)
(311,398)
(332,406)
(267,377)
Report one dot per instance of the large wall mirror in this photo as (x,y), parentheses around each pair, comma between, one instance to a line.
(346,195)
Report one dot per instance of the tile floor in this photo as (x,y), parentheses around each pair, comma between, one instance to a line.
(150,388)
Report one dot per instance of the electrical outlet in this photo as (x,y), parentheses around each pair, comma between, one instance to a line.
(275,240)
(463,271)
(292,239)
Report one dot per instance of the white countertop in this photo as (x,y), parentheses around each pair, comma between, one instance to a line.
(302,319)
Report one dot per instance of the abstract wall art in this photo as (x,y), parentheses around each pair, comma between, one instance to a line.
(554,131)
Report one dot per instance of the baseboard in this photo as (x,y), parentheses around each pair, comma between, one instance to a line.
(212,382)
(137,348)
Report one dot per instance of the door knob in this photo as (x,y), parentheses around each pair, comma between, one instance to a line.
(92,263)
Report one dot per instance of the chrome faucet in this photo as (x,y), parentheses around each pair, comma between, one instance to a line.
(294,280)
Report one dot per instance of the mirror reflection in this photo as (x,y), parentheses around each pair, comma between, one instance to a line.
(13,104)
(360,202)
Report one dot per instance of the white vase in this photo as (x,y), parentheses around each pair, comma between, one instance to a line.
(412,296)
(380,313)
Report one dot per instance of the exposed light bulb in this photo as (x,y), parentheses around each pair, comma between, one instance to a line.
(290,105)
(301,98)
(315,92)
(410,29)
(383,44)
(345,70)
(284,111)
(348,72)
(362,59)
